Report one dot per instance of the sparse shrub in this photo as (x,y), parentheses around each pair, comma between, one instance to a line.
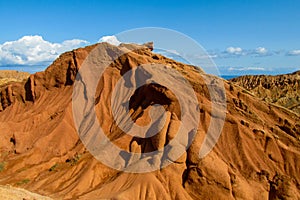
(24,181)
(74,159)
(2,166)
(53,168)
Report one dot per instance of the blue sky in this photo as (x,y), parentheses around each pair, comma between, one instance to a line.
(258,36)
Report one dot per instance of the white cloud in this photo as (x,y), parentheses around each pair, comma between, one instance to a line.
(234,50)
(34,50)
(111,39)
(247,69)
(294,53)
(238,52)
(261,51)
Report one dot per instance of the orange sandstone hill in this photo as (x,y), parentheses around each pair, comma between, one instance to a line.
(256,157)
(283,90)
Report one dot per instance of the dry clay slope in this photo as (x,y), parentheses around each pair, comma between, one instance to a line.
(11,193)
(256,157)
(283,90)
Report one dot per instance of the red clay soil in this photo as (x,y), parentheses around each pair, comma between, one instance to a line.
(256,157)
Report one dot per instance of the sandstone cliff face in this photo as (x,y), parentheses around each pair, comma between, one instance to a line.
(283,90)
(256,156)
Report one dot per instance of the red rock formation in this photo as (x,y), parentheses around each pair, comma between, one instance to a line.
(283,90)
(256,156)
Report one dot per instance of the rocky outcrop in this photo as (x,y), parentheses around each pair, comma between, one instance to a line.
(283,90)
(256,156)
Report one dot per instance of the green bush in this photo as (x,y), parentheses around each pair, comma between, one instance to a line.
(22,182)
(53,168)
(2,166)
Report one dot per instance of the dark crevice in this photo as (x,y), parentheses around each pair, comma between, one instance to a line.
(13,140)
(28,91)
(72,71)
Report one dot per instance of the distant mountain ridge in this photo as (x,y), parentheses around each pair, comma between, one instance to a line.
(7,76)
(283,90)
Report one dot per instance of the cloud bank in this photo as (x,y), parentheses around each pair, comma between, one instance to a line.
(231,52)
(238,52)
(34,50)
